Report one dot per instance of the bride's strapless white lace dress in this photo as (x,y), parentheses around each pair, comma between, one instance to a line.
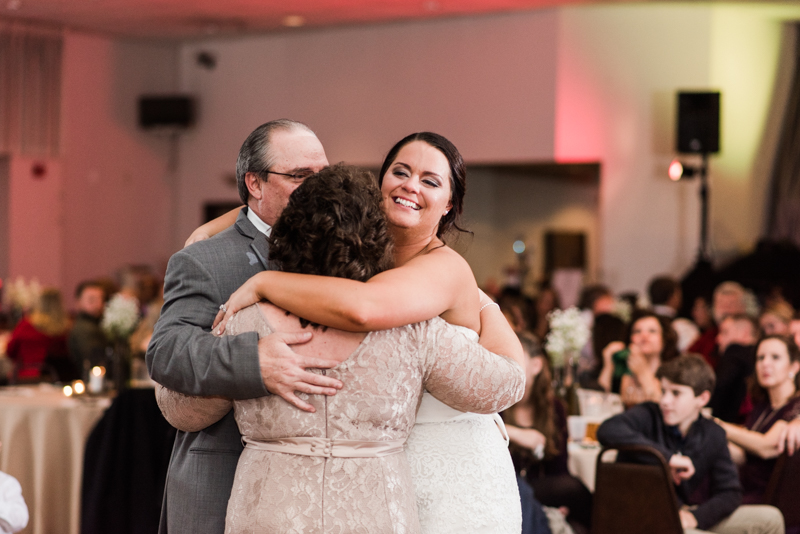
(462,471)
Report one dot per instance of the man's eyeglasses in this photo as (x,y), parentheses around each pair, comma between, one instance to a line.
(299,175)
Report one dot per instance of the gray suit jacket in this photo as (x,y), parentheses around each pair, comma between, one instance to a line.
(184,356)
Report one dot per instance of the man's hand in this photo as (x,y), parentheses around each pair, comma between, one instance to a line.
(284,371)
(688,520)
(681,467)
(792,436)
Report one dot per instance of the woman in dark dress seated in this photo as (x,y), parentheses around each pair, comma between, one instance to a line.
(775,396)
(537,427)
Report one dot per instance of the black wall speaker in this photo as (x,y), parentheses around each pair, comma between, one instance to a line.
(698,122)
(166,112)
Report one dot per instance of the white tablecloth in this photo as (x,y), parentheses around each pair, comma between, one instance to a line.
(582,462)
(43,435)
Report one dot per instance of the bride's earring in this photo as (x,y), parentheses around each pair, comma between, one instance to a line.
(446,212)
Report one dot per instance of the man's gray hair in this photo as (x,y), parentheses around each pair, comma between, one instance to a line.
(255,155)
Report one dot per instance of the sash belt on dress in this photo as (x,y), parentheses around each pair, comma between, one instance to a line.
(329,448)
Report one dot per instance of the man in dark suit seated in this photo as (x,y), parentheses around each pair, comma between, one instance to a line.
(737,338)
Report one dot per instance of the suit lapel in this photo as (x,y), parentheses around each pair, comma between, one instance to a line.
(259,248)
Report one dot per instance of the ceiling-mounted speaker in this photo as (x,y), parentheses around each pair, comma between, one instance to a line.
(698,122)
(168,112)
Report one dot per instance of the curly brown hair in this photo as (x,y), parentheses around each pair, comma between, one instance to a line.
(334,226)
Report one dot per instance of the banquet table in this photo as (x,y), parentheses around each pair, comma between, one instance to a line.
(43,433)
(582,462)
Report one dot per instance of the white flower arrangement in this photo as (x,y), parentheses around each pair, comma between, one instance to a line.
(568,334)
(120,317)
(20,295)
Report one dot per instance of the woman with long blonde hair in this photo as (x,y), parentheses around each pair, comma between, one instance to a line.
(40,337)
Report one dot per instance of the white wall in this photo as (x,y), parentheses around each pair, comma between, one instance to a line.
(619,70)
(487,83)
(583,83)
(117,185)
(36,221)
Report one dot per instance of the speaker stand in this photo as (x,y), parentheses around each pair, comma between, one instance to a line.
(703,254)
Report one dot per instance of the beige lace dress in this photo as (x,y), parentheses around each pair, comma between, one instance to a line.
(343,469)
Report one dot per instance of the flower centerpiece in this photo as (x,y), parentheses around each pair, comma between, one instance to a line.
(120,318)
(19,297)
(568,334)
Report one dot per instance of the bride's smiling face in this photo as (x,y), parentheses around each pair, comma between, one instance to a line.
(416,188)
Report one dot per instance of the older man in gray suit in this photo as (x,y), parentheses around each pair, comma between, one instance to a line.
(183,354)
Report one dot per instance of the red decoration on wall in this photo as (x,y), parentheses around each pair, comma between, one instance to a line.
(39,170)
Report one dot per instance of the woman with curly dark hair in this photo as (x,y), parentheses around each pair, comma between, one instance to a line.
(342,467)
(630,368)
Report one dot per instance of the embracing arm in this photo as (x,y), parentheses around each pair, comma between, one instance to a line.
(214,226)
(423,288)
(183,354)
(496,334)
(466,376)
(190,413)
(769,445)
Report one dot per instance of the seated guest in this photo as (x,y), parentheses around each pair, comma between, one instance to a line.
(729,299)
(665,300)
(776,318)
(87,343)
(737,347)
(776,401)
(40,339)
(537,427)
(695,449)
(631,371)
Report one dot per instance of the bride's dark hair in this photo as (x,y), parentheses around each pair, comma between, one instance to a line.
(333,226)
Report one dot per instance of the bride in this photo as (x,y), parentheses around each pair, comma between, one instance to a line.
(461,468)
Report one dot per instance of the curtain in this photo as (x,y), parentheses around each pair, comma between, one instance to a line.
(784,210)
(30,89)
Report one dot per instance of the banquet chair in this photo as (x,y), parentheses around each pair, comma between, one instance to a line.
(631,498)
(784,487)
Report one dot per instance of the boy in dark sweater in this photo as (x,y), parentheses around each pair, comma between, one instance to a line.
(695,449)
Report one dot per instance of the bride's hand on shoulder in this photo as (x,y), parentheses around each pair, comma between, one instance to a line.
(213,227)
(249,293)
(198,235)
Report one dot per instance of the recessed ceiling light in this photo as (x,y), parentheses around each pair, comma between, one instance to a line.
(294,21)
(13,5)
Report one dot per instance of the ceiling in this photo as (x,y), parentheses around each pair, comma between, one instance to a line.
(181,19)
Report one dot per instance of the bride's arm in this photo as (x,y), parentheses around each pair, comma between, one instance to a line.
(425,287)
(437,283)
(496,334)
(214,226)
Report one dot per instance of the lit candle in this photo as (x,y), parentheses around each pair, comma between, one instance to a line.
(96,379)
(68,391)
(78,387)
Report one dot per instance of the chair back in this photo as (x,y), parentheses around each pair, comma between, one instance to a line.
(784,487)
(631,498)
